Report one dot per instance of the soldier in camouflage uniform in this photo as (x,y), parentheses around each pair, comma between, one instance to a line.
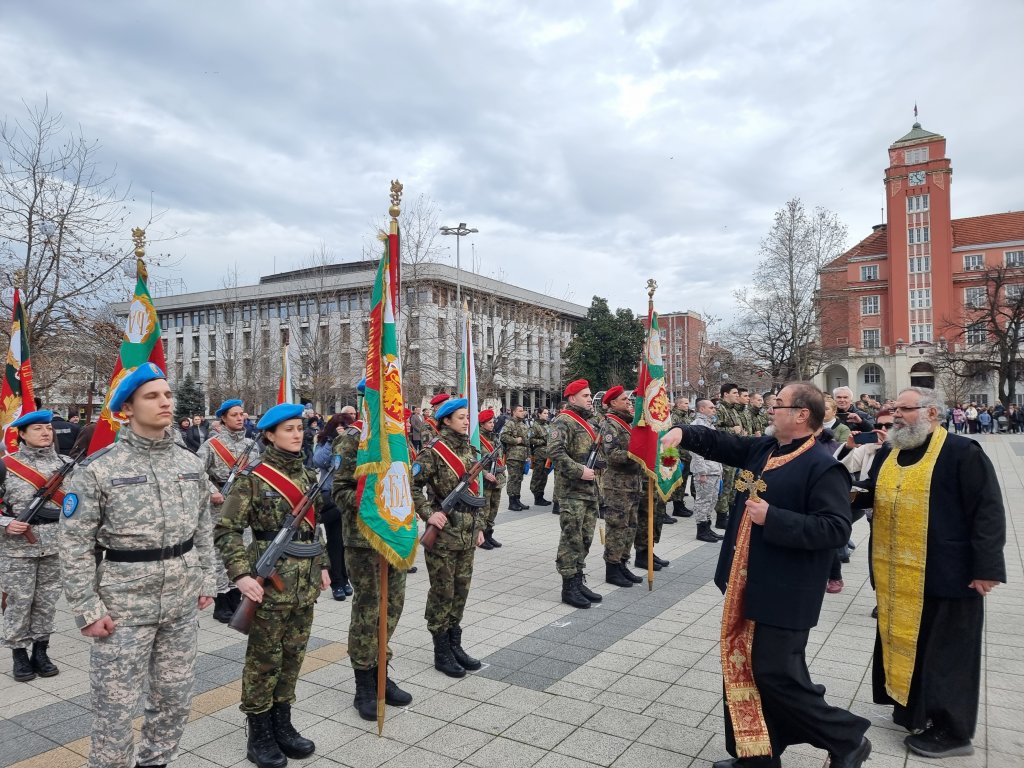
(570,441)
(515,438)
(214,453)
(493,482)
(281,626)
(430,429)
(141,506)
(729,420)
(707,475)
(620,488)
(758,414)
(30,573)
(539,457)
(450,562)
(363,564)
(681,416)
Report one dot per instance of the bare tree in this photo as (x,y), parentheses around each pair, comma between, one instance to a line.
(777,323)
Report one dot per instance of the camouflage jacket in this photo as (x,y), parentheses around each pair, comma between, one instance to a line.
(253,503)
(539,432)
(568,447)
(343,488)
(137,494)
(429,430)
(500,471)
(236,442)
(758,420)
(622,474)
(728,417)
(515,436)
(45,461)
(463,525)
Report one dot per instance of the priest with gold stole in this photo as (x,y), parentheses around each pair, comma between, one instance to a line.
(792,509)
(938,532)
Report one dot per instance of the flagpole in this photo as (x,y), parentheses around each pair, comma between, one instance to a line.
(651,286)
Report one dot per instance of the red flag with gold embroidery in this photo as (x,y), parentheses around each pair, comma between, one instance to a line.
(16,392)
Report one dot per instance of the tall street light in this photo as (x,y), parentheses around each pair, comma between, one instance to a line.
(460,232)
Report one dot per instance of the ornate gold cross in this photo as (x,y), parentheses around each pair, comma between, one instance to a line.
(746,482)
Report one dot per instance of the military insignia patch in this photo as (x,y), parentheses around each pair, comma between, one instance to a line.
(70,504)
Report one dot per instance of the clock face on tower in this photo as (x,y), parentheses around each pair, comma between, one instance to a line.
(916,178)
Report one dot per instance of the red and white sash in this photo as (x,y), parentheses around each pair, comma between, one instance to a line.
(222,451)
(454,463)
(32,477)
(582,422)
(284,485)
(622,423)
(488,447)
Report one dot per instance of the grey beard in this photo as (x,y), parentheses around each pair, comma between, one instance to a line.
(909,436)
(769,431)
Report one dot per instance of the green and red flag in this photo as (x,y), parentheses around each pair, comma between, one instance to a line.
(467,384)
(16,392)
(139,344)
(652,416)
(386,513)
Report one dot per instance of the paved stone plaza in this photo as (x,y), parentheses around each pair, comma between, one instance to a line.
(634,682)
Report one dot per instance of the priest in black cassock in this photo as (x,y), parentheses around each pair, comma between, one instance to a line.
(792,510)
(937,549)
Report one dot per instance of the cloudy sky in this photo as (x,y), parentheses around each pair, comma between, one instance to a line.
(593,143)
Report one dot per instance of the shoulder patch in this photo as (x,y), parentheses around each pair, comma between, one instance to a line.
(70,504)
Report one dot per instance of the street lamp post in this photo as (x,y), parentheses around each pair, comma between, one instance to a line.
(460,231)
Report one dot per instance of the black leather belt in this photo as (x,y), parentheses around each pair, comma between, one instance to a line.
(271,535)
(147,555)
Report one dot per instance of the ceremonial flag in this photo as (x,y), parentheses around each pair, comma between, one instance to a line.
(16,392)
(284,387)
(139,344)
(467,384)
(386,515)
(652,416)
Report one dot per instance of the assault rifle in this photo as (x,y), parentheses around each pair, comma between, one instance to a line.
(266,566)
(43,494)
(460,493)
(240,463)
(594,461)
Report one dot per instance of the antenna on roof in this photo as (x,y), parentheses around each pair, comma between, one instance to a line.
(915,111)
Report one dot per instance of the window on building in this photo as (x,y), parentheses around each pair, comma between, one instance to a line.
(179,371)
(915,156)
(872,338)
(213,369)
(1014,291)
(179,347)
(976,333)
(868,273)
(921,298)
(979,399)
(869,305)
(917,235)
(247,340)
(412,326)
(975,298)
(872,374)
(920,332)
(974,262)
(346,333)
(920,264)
(1015,258)
(212,342)
(917,203)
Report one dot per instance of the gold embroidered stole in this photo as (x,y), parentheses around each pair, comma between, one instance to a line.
(899,550)
(749,728)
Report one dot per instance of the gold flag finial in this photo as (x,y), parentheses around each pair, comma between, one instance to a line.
(396,199)
(139,238)
(652,286)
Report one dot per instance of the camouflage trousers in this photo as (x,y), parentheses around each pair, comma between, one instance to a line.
(224,584)
(515,477)
(273,658)
(640,540)
(492,500)
(451,571)
(725,498)
(707,496)
(538,478)
(620,521)
(164,655)
(577,518)
(363,566)
(33,585)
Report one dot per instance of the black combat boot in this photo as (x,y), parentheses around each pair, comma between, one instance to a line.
(23,671)
(222,608)
(464,659)
(444,659)
(660,561)
(667,519)
(262,747)
(679,509)
(41,661)
(514,505)
(587,592)
(393,695)
(540,501)
(613,575)
(721,520)
(519,503)
(365,700)
(291,742)
(704,533)
(641,560)
(624,567)
(486,544)
(234,599)
(489,537)
(571,594)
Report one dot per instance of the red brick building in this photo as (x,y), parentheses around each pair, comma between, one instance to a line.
(682,337)
(888,300)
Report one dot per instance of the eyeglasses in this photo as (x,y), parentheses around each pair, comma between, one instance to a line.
(902,408)
(882,426)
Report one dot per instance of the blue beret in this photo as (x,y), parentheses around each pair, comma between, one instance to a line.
(279,413)
(449,407)
(36,417)
(226,406)
(361,386)
(144,373)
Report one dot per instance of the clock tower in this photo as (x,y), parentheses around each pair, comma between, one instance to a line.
(920,236)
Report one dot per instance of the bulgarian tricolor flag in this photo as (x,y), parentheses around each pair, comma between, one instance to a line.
(386,514)
(16,392)
(652,415)
(467,384)
(284,386)
(139,344)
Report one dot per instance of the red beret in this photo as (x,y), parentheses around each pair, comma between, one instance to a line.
(611,394)
(575,387)
(408,413)
(439,398)
(485,416)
